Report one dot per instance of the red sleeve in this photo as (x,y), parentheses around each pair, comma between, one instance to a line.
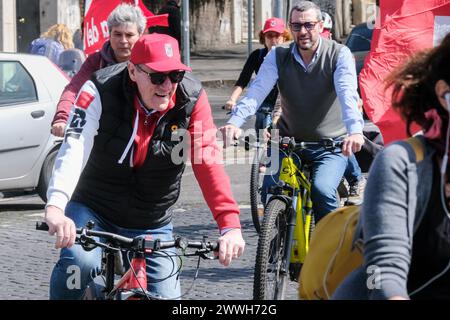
(70,92)
(206,159)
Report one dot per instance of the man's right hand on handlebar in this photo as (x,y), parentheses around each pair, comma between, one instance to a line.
(229,105)
(63,226)
(229,133)
(58,129)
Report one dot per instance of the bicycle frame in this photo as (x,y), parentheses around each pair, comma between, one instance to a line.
(134,279)
(296,192)
(299,190)
(301,207)
(131,283)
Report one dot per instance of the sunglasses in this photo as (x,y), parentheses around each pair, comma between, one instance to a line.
(309,26)
(158,78)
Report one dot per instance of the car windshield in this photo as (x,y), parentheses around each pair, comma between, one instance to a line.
(359,39)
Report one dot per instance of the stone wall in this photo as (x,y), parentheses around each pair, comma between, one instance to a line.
(61,11)
(7,26)
(210,23)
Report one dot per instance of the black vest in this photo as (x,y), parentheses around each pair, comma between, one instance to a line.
(136,198)
(311,109)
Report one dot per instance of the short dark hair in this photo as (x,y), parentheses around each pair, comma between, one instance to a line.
(305,6)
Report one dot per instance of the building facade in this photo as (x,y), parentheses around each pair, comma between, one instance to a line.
(213,23)
(21,21)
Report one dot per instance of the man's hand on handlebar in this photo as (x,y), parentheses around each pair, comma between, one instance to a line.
(352,144)
(231,246)
(229,105)
(229,133)
(62,226)
(58,129)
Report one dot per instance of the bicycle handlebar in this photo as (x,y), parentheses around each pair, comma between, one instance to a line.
(327,143)
(138,244)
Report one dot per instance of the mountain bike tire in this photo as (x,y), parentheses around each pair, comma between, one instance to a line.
(270,282)
(255,194)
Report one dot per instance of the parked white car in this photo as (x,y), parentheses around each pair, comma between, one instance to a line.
(30,88)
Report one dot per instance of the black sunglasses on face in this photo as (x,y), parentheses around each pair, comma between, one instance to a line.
(158,78)
(309,26)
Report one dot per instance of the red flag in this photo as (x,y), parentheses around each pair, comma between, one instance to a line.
(404,27)
(95,27)
(96,14)
(152,20)
(159,20)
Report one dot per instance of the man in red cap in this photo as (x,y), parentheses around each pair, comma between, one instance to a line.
(120,164)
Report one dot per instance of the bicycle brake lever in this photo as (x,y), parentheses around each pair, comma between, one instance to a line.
(202,253)
(205,256)
(86,242)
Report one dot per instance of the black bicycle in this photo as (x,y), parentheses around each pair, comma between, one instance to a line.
(132,284)
(257,172)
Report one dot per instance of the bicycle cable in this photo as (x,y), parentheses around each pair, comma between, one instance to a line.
(150,296)
(192,283)
(172,273)
(136,277)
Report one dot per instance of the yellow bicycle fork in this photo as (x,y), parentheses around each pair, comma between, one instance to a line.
(292,176)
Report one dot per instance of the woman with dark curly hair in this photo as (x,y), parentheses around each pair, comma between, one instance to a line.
(405,219)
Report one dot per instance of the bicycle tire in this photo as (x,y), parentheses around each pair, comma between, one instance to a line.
(255,194)
(270,254)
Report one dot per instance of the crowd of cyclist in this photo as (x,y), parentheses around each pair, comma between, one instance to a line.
(120,111)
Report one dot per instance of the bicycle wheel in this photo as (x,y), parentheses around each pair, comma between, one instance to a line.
(256,180)
(270,280)
(95,290)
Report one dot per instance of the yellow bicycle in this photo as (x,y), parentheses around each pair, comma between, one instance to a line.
(287,224)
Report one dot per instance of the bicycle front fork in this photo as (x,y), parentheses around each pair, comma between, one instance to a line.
(292,268)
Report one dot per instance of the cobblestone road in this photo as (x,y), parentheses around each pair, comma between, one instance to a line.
(27,256)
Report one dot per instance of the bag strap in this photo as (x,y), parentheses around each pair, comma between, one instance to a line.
(418,147)
(419,151)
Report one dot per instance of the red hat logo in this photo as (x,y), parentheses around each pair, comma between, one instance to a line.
(169,50)
(273,23)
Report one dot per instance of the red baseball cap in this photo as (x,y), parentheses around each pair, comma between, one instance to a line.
(274,24)
(159,52)
(326,33)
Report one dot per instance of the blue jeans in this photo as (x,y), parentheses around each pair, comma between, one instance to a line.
(327,171)
(263,116)
(63,284)
(353,172)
